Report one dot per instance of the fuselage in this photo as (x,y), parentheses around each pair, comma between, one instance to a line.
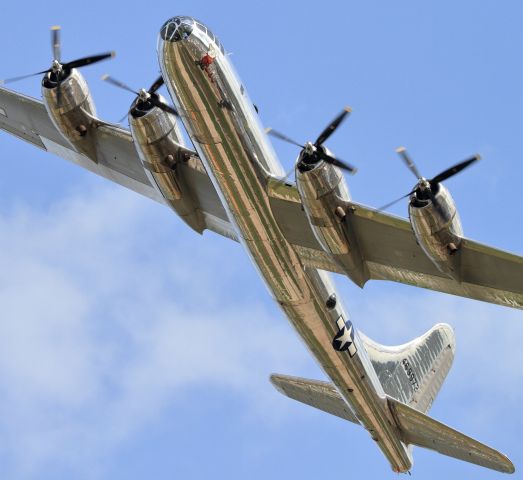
(224,127)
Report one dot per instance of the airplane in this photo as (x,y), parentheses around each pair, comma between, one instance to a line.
(231,183)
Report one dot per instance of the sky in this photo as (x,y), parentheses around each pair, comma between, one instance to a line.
(131,347)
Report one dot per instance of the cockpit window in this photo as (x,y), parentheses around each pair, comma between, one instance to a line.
(211,36)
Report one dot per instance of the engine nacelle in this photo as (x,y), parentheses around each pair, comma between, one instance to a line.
(438,230)
(159,144)
(325,196)
(74,113)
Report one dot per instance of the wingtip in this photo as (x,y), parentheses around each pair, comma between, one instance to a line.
(274,378)
(56,27)
(506,465)
(268,129)
(348,109)
(113,54)
(105,76)
(400,149)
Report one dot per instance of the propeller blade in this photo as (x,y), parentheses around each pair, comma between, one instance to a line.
(450,172)
(331,128)
(337,162)
(288,174)
(15,79)
(402,152)
(124,117)
(117,83)
(55,40)
(158,103)
(82,62)
(281,136)
(385,207)
(438,206)
(156,85)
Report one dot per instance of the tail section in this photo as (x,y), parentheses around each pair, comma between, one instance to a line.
(411,376)
(414,372)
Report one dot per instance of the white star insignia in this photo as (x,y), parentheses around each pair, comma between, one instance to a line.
(345,339)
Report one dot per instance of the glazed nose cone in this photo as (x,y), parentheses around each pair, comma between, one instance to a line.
(177,29)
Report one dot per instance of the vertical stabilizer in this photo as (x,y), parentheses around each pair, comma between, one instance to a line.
(414,372)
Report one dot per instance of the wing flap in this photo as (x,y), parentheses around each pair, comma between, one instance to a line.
(317,394)
(423,431)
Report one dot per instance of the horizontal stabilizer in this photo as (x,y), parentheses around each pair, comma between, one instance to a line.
(419,429)
(321,395)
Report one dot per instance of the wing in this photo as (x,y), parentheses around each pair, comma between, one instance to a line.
(390,252)
(27,118)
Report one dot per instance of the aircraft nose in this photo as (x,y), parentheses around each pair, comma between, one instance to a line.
(177,28)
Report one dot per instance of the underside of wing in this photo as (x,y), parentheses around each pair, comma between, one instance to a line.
(117,159)
(390,252)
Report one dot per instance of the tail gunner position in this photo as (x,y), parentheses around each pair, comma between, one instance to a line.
(375,386)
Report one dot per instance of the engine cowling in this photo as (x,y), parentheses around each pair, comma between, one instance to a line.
(325,197)
(165,159)
(72,111)
(438,229)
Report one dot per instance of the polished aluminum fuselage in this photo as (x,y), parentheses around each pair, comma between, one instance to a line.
(225,130)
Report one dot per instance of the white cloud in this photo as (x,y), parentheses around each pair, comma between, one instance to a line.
(104,323)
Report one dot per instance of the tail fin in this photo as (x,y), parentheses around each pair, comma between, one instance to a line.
(414,372)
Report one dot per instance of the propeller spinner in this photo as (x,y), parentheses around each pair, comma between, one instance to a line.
(426,189)
(313,153)
(145,99)
(59,71)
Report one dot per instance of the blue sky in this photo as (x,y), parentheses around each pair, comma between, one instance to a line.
(130,347)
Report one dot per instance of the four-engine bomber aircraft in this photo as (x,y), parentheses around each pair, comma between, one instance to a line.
(233,185)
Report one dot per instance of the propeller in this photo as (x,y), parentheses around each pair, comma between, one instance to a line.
(425,188)
(60,71)
(312,153)
(146,99)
